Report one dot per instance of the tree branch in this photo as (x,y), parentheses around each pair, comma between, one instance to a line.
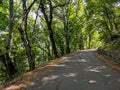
(43,11)
(36,18)
(29,8)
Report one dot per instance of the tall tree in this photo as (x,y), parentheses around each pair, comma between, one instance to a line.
(24,34)
(66,29)
(49,20)
(6,59)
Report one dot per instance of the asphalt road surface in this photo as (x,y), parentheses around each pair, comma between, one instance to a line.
(79,71)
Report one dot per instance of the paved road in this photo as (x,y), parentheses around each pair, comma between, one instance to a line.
(79,71)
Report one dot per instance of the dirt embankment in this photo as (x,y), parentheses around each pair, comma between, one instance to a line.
(25,80)
(109,61)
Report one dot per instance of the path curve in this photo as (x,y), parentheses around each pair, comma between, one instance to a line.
(79,71)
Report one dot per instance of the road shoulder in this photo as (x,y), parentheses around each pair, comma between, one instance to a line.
(108,61)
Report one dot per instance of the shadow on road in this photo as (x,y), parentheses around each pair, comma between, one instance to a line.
(78,71)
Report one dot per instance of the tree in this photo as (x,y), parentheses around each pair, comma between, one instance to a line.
(49,20)
(5,58)
(24,34)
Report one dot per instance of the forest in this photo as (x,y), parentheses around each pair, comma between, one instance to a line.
(33,32)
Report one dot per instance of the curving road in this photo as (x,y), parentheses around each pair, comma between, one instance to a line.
(79,71)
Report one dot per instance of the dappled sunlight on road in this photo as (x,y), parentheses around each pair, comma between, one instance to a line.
(108,75)
(49,78)
(79,71)
(92,70)
(95,69)
(70,75)
(92,81)
(82,61)
(61,65)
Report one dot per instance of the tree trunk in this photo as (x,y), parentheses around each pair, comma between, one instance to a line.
(81,43)
(6,57)
(67,37)
(67,44)
(10,68)
(28,49)
(48,20)
(25,39)
(48,51)
(89,41)
(61,45)
(51,35)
